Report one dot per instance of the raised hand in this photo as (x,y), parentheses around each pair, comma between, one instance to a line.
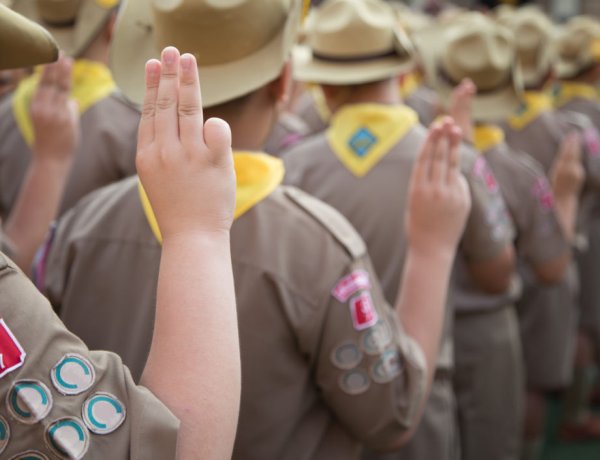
(184,163)
(461,107)
(439,199)
(567,174)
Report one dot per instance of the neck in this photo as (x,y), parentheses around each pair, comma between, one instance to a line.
(97,51)
(383,92)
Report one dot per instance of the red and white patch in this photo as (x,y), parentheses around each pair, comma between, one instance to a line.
(591,138)
(363,312)
(12,355)
(482,170)
(351,284)
(543,192)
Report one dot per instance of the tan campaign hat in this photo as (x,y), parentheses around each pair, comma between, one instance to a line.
(534,35)
(73,23)
(473,46)
(240,45)
(22,42)
(577,47)
(411,20)
(352,42)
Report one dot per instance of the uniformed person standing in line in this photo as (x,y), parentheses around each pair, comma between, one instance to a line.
(64,401)
(327,364)
(106,153)
(488,347)
(362,164)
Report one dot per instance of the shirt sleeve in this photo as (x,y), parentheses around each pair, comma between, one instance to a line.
(64,400)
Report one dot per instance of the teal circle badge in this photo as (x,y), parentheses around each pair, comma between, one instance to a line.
(30,455)
(29,401)
(103,413)
(346,356)
(68,438)
(4,434)
(73,374)
(354,382)
(387,367)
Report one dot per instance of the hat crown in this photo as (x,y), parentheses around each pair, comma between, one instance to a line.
(58,12)
(347,28)
(577,38)
(218,31)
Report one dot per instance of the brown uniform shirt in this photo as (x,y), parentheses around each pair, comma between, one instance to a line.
(106,152)
(55,389)
(307,110)
(424,101)
(324,364)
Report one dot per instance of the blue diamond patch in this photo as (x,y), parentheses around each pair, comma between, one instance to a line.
(362,141)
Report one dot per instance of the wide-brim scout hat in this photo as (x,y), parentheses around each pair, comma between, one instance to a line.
(534,35)
(74,24)
(577,47)
(473,46)
(240,45)
(22,42)
(352,42)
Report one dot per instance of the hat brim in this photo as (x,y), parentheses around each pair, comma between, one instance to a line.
(134,44)
(23,43)
(308,69)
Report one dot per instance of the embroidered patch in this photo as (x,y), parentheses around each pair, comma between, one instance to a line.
(482,170)
(30,455)
(346,356)
(68,438)
(362,141)
(543,192)
(4,434)
(354,382)
(363,312)
(72,375)
(29,401)
(351,284)
(103,413)
(591,139)
(375,340)
(387,367)
(12,355)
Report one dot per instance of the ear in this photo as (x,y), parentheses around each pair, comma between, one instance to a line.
(280,87)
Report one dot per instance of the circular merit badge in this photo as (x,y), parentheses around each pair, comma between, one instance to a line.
(387,367)
(72,375)
(354,382)
(346,356)
(29,401)
(103,413)
(4,434)
(30,455)
(376,339)
(68,438)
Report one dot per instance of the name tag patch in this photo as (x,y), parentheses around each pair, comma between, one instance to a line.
(350,284)
(363,312)
(12,355)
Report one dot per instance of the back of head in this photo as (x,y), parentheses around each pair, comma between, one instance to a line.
(577,47)
(240,45)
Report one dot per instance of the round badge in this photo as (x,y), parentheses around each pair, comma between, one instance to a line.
(354,382)
(376,339)
(29,401)
(73,375)
(30,455)
(346,356)
(68,438)
(103,413)
(4,434)
(387,367)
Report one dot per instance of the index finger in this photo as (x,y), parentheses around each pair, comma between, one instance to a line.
(424,158)
(146,128)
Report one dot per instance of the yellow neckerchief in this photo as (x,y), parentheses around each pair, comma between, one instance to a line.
(533,104)
(486,137)
(92,82)
(360,135)
(565,91)
(318,98)
(257,174)
(409,83)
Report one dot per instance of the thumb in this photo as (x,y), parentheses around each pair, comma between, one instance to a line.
(217,136)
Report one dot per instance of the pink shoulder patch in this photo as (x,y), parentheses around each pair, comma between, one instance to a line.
(543,192)
(350,284)
(482,170)
(591,139)
(363,312)
(12,355)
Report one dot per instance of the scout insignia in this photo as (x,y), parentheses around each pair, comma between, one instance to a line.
(103,413)
(29,401)
(350,284)
(346,356)
(354,382)
(68,438)
(387,367)
(72,375)
(362,311)
(30,455)
(481,170)
(376,339)
(4,434)
(12,355)
(362,141)
(542,191)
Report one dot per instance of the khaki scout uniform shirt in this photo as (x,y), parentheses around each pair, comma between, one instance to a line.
(287,132)
(313,110)
(375,202)
(105,154)
(61,400)
(324,364)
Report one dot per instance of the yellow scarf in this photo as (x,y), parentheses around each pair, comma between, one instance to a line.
(563,92)
(486,137)
(361,135)
(92,82)
(258,175)
(534,103)
(409,83)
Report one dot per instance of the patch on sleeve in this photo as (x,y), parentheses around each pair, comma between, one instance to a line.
(29,455)
(103,413)
(386,368)
(591,139)
(354,382)
(376,339)
(485,174)
(73,374)
(29,401)
(4,434)
(543,192)
(12,355)
(363,312)
(346,356)
(68,438)
(351,284)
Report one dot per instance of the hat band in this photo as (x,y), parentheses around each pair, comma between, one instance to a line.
(452,82)
(361,58)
